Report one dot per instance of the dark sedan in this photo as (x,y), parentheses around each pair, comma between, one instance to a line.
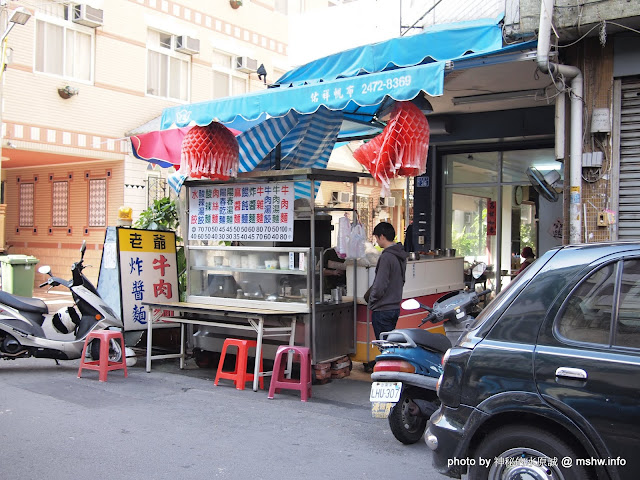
(546,384)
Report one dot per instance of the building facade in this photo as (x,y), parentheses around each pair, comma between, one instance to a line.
(83,76)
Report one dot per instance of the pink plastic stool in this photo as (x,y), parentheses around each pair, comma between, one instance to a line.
(239,375)
(103,365)
(278,380)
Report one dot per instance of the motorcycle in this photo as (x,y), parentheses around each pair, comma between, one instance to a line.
(407,370)
(23,321)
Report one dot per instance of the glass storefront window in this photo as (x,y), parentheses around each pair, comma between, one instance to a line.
(467,212)
(516,162)
(481,167)
(472,182)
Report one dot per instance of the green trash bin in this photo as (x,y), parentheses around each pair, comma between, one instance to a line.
(18,274)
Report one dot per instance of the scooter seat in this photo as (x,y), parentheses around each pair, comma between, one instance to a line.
(24,304)
(431,341)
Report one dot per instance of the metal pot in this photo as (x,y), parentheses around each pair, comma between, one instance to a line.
(414,256)
(437,252)
(449,252)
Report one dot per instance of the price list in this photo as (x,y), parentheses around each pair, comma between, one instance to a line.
(246,212)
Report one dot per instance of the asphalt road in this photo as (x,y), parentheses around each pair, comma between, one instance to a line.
(172,424)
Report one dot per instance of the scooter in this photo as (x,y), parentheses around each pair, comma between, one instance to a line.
(23,321)
(407,370)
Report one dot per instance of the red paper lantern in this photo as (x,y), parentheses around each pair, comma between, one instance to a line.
(400,149)
(211,151)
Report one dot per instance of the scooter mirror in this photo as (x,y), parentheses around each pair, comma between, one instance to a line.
(45,270)
(410,304)
(83,248)
(478,270)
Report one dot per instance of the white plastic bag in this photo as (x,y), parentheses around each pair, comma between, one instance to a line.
(344,228)
(355,245)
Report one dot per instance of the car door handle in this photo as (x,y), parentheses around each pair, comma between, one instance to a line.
(568,372)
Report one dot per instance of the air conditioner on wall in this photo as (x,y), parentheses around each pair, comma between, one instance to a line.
(340,197)
(87,15)
(188,45)
(387,202)
(246,64)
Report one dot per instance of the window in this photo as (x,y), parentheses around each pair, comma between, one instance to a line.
(167,70)
(586,316)
(226,81)
(60,204)
(26,204)
(628,327)
(98,203)
(65,49)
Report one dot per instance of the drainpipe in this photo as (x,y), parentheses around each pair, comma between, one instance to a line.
(575,153)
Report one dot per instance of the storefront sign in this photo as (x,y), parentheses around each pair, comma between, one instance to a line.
(242,212)
(148,271)
(491,218)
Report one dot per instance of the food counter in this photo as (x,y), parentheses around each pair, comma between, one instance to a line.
(426,280)
(276,268)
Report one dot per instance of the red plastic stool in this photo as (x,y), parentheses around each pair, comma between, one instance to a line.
(278,380)
(239,375)
(103,365)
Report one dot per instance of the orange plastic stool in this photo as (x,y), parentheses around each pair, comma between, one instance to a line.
(239,375)
(278,380)
(103,365)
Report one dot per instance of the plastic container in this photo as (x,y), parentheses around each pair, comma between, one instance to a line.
(18,274)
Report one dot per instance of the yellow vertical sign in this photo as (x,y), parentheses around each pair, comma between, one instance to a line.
(148,271)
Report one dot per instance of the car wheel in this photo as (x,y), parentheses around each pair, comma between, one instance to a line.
(519,451)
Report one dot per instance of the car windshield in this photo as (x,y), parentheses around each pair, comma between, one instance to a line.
(514,285)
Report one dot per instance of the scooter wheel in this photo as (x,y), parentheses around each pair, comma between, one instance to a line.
(115,351)
(405,420)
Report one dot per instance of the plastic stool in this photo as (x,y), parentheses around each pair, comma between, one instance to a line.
(239,375)
(103,365)
(278,381)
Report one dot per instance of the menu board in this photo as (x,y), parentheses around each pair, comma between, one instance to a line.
(242,212)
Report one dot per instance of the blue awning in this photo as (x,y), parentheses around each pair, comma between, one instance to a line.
(436,43)
(337,97)
(346,94)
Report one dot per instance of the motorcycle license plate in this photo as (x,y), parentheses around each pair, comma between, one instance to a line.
(385,392)
(383,396)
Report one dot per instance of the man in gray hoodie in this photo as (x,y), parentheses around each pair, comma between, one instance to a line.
(386,292)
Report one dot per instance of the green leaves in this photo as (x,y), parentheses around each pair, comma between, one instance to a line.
(162,215)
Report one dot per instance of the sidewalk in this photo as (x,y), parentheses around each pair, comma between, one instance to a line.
(58,298)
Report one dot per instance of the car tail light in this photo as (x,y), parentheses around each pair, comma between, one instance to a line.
(394,366)
(449,386)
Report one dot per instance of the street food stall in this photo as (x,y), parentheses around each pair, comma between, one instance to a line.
(254,257)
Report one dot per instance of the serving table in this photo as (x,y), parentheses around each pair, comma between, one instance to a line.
(266,323)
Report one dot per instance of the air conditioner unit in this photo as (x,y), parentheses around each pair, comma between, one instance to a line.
(188,45)
(246,64)
(87,16)
(340,197)
(387,202)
